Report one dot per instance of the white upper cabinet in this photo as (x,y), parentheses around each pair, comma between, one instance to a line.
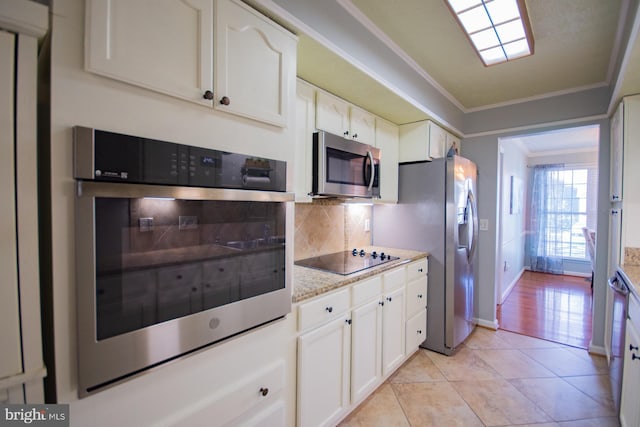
(169,46)
(332,114)
(162,45)
(424,140)
(254,61)
(337,116)
(387,141)
(617,145)
(362,125)
(305,126)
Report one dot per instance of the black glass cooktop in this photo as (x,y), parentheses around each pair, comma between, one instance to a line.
(347,262)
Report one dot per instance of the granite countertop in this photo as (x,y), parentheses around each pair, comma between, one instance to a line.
(632,276)
(309,282)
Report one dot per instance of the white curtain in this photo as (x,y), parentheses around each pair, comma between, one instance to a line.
(544,240)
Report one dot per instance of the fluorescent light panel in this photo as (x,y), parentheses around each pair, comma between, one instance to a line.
(497,29)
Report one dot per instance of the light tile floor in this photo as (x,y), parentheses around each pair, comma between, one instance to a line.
(496,378)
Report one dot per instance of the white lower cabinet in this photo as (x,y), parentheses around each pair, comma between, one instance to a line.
(351,340)
(416,331)
(393,330)
(323,373)
(366,342)
(629,408)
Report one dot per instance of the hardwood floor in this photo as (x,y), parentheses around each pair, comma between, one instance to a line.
(551,307)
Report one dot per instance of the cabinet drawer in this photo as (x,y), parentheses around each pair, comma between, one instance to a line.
(246,396)
(416,296)
(417,269)
(366,290)
(394,279)
(416,331)
(634,311)
(323,309)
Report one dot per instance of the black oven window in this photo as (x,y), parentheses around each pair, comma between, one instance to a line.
(159,259)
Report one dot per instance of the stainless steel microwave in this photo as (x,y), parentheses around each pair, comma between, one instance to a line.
(344,168)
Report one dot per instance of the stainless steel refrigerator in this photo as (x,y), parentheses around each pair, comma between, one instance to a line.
(437,213)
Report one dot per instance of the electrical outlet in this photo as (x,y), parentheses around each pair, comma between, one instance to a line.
(187,222)
(145,224)
(484,225)
(367,224)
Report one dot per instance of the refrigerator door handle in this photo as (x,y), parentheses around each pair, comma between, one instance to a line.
(471,203)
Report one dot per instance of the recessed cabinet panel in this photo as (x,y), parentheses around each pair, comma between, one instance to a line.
(332,114)
(363,126)
(416,331)
(416,296)
(163,45)
(393,330)
(366,337)
(323,374)
(10,344)
(387,142)
(252,63)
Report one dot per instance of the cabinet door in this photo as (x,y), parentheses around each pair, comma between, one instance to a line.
(452,141)
(617,144)
(362,126)
(414,142)
(437,141)
(254,64)
(416,296)
(332,114)
(416,331)
(10,343)
(393,330)
(629,409)
(323,374)
(366,340)
(163,45)
(387,142)
(305,126)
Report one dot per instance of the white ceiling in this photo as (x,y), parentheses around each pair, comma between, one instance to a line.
(577,139)
(577,47)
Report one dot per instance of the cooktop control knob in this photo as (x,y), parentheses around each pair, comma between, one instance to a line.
(374,254)
(354,252)
(362,252)
(382,255)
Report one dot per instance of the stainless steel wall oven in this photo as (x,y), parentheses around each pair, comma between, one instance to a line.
(177,247)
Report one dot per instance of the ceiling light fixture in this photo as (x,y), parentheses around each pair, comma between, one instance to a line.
(499,30)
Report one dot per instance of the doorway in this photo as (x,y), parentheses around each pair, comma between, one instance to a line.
(547,207)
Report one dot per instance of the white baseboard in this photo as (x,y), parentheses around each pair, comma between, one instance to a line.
(505,294)
(597,349)
(493,325)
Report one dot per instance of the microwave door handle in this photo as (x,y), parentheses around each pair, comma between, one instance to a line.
(373,171)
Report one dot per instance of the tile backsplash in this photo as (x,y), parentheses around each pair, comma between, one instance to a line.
(329,225)
(632,256)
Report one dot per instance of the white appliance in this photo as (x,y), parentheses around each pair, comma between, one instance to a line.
(436,213)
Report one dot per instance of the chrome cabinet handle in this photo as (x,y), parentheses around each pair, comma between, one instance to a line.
(329,309)
(264,391)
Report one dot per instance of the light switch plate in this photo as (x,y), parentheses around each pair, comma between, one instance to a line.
(484,225)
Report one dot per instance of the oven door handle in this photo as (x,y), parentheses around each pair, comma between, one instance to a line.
(613,284)
(127,190)
(373,171)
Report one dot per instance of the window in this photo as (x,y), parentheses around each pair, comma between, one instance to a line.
(571,204)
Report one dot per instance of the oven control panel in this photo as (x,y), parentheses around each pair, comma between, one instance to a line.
(108,156)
